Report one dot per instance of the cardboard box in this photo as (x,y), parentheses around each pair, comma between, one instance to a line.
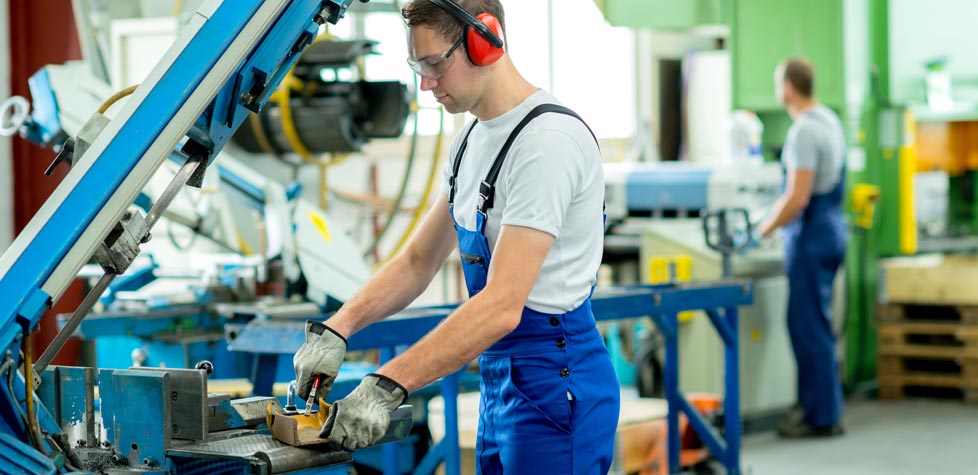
(930,279)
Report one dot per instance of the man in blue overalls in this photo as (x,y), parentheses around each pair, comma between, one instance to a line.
(810,210)
(523,200)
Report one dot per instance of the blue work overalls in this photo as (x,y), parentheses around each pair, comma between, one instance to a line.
(550,396)
(814,248)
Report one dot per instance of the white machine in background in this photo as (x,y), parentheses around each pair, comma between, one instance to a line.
(656,210)
(767,369)
(238,209)
(679,189)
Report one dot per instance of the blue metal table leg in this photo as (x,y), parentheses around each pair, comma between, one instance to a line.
(671,380)
(390,450)
(731,399)
(263,374)
(449,393)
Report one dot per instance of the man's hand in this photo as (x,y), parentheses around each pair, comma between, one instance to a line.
(321,354)
(361,418)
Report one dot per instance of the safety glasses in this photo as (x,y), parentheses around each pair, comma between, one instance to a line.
(434,67)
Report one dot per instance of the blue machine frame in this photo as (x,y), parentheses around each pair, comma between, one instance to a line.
(269,340)
(227,62)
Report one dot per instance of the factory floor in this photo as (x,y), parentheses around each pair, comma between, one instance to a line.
(911,437)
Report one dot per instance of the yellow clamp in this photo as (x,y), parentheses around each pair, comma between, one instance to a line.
(670,270)
(864,199)
(666,270)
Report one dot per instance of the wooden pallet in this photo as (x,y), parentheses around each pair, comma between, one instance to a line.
(928,358)
(903,312)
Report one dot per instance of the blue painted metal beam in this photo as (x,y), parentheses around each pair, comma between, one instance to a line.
(91,193)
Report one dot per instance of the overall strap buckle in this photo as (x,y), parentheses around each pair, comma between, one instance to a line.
(486,193)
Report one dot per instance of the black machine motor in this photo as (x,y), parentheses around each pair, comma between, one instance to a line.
(329,115)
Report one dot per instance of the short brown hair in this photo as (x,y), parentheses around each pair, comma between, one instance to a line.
(426,13)
(800,73)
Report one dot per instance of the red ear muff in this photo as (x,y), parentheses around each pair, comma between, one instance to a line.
(481,51)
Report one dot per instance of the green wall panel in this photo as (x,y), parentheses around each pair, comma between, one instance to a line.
(764,32)
(663,14)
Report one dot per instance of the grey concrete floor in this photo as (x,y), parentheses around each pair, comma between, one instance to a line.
(912,437)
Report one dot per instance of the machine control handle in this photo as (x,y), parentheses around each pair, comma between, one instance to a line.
(720,226)
(206,366)
(67,154)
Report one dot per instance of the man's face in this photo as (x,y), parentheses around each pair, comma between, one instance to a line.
(443,69)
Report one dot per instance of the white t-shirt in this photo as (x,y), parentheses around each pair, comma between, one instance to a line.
(552,181)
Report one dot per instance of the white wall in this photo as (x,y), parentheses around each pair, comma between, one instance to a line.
(6,165)
(922,31)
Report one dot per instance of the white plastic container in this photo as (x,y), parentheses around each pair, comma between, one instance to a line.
(746,130)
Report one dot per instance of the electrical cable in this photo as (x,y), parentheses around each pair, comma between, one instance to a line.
(173,239)
(405,179)
(32,422)
(10,387)
(412,153)
(115,98)
(432,178)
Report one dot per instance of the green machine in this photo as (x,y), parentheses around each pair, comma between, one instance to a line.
(872,58)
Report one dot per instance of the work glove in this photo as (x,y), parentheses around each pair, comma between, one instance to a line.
(744,241)
(321,354)
(361,418)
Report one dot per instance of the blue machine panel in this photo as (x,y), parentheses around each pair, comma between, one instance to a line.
(14,459)
(141,408)
(667,188)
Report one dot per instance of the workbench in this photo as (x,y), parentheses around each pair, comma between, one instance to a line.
(272,339)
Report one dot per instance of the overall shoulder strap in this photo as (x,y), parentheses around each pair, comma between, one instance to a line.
(488,186)
(458,162)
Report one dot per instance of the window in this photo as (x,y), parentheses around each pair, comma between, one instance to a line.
(594,67)
(564,46)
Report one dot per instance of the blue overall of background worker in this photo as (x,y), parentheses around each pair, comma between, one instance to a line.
(814,234)
(530,247)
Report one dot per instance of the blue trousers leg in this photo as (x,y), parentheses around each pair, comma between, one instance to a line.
(809,325)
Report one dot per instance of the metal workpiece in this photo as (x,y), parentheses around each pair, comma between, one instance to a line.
(224,413)
(402,419)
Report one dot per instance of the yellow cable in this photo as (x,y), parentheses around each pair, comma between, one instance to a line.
(322,185)
(282,97)
(177,7)
(263,143)
(115,98)
(29,382)
(432,175)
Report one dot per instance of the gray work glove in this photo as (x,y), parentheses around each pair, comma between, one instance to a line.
(361,419)
(321,354)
